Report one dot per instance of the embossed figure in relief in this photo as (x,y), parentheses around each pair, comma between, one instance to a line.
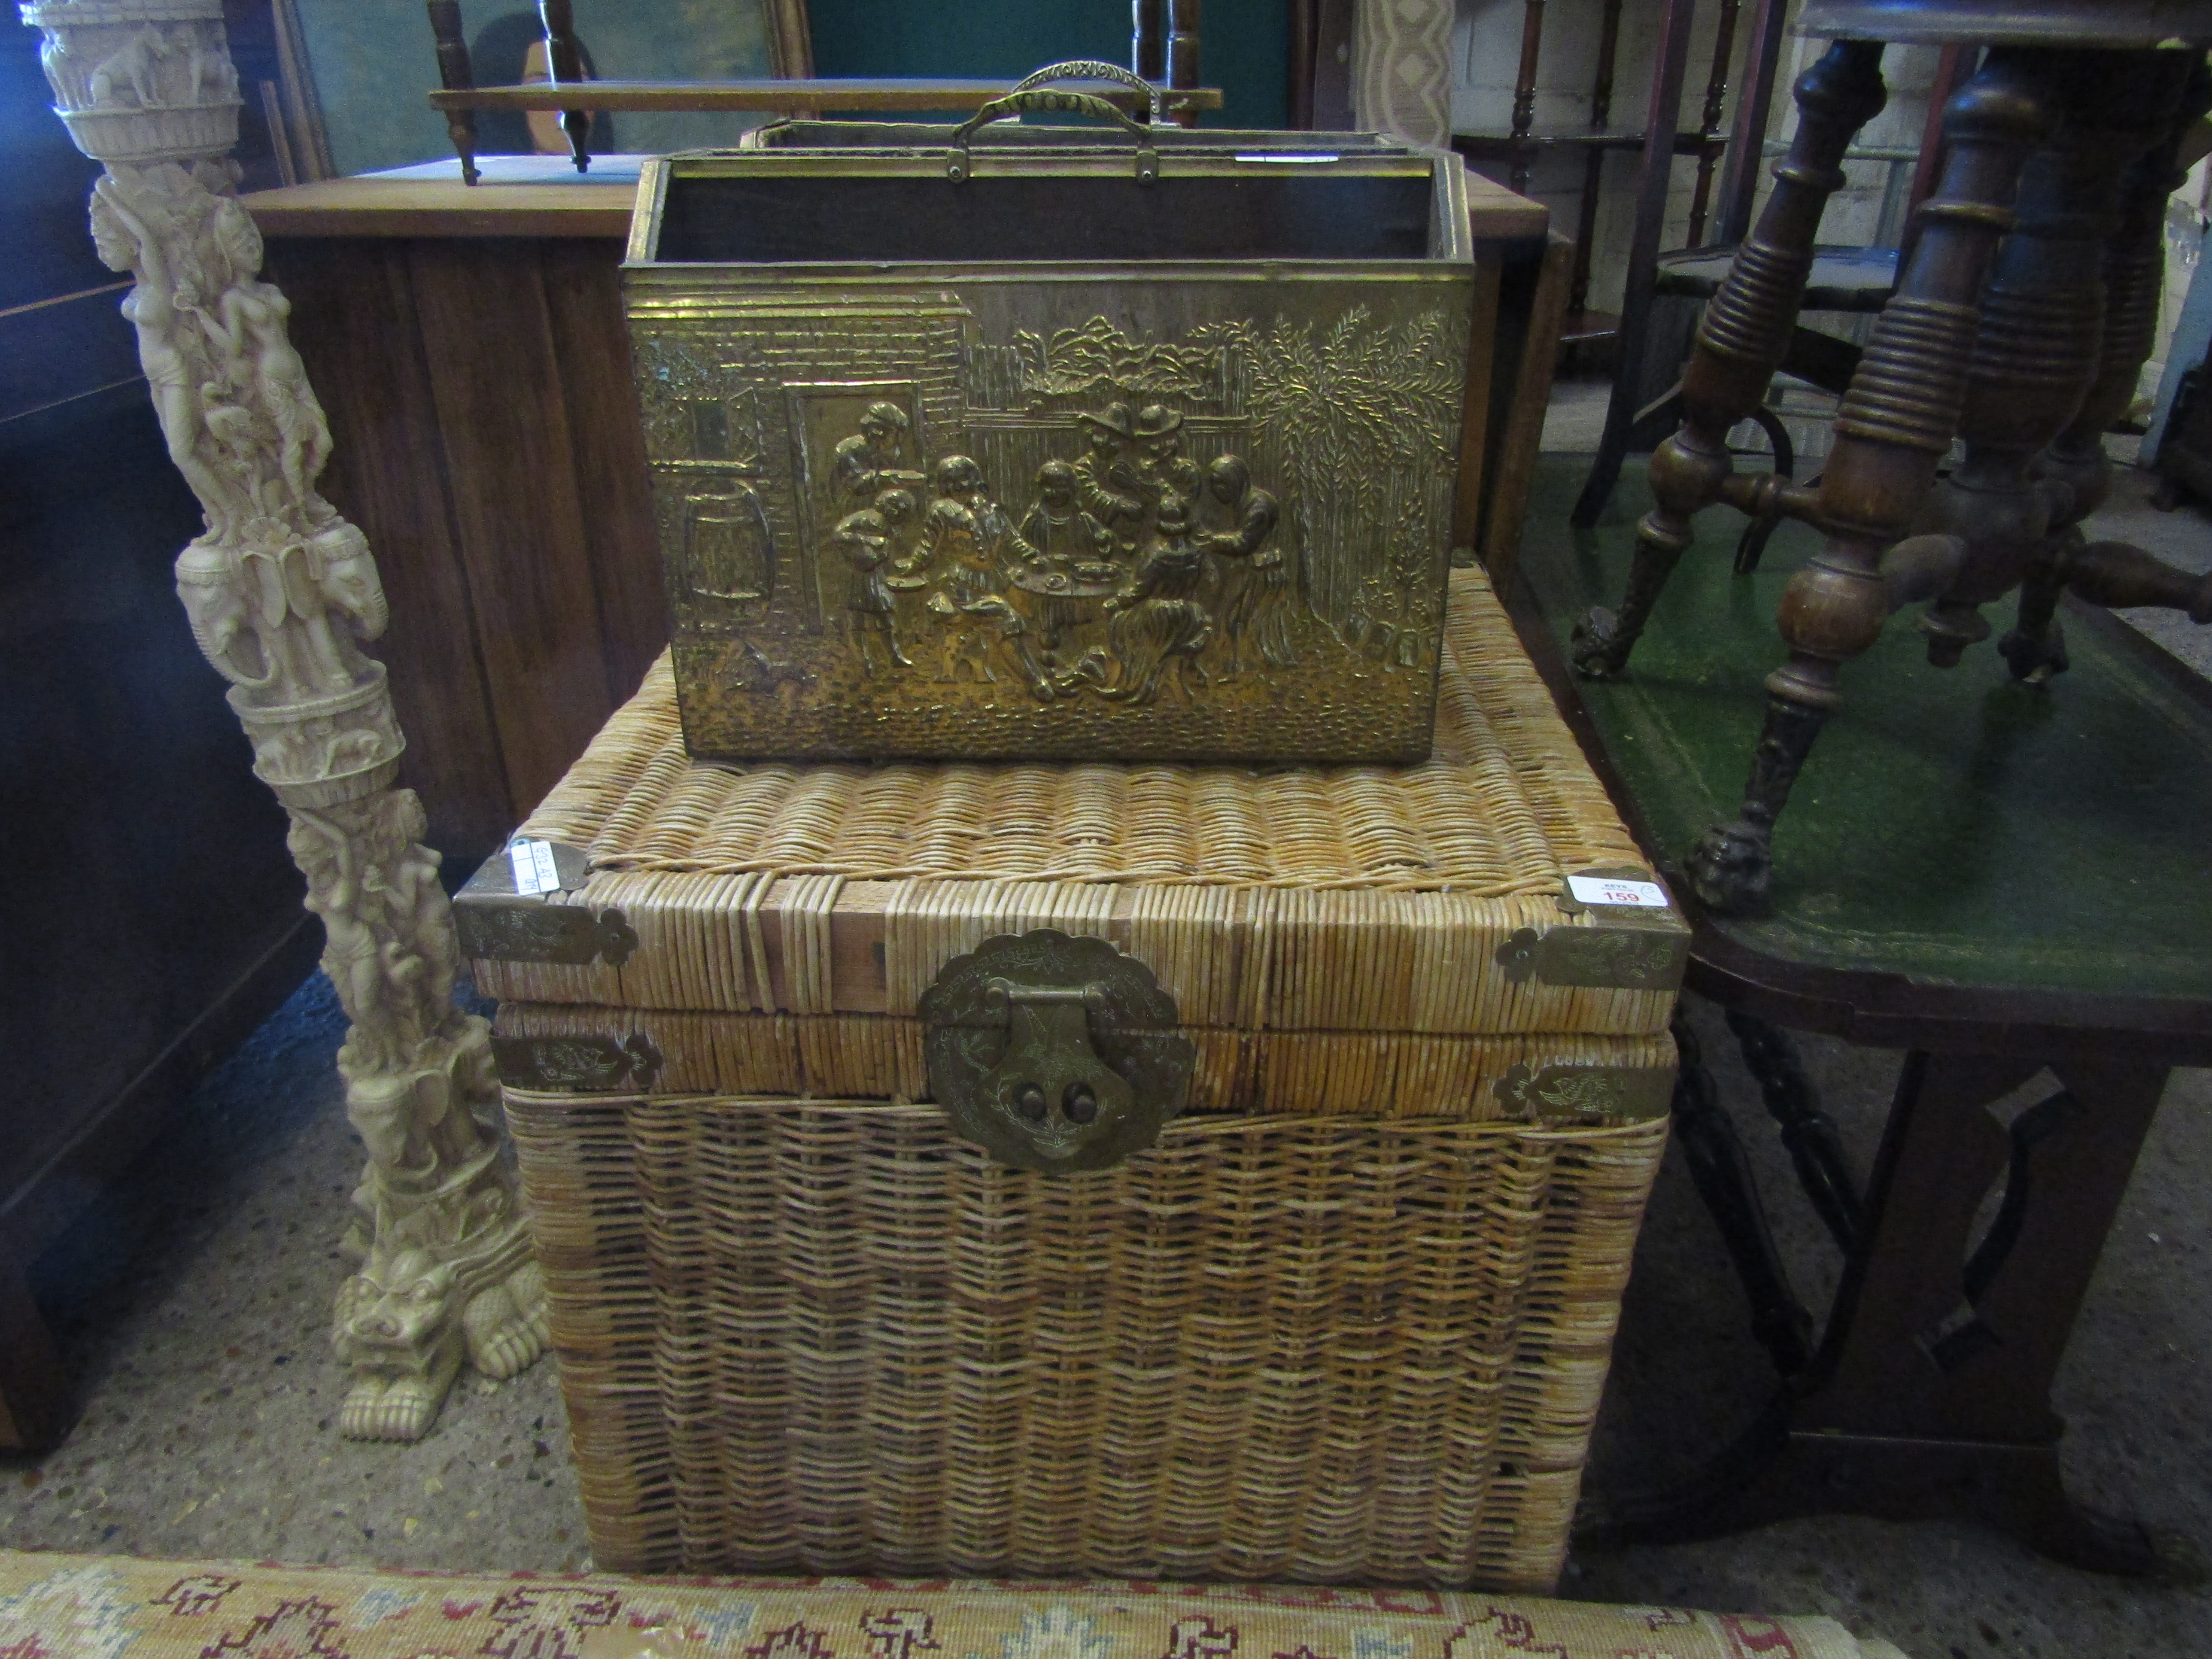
(1162,467)
(1058,528)
(864,541)
(870,460)
(1236,525)
(1159,623)
(1075,561)
(282,592)
(967,544)
(1106,478)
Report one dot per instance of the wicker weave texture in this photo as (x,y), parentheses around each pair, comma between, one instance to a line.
(1503,805)
(1299,899)
(859,1056)
(1252,959)
(830,1337)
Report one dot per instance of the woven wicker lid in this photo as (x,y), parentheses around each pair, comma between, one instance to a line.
(1290,897)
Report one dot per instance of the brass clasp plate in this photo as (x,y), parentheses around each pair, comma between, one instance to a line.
(1054,1054)
(496,924)
(577,1065)
(1587,1095)
(1604,958)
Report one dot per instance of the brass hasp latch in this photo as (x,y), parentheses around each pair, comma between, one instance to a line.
(1054,1054)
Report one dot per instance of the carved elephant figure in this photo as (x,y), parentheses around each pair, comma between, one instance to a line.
(345,572)
(215,600)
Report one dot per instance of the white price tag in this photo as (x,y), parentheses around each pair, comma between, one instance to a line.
(1612,889)
(533,866)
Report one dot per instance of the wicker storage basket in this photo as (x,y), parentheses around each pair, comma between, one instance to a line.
(1347,1318)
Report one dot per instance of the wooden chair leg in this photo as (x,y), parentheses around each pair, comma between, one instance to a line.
(1182,53)
(1895,427)
(1148,39)
(1743,338)
(455,74)
(1709,119)
(564,60)
(1672,58)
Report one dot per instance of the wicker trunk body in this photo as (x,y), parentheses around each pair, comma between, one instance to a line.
(1348,1318)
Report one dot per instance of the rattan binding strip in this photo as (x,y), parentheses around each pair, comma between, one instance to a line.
(862,1056)
(1505,804)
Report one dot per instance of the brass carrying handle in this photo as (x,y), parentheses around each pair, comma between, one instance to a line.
(961,166)
(1092,69)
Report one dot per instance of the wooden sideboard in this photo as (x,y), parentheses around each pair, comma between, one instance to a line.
(469,346)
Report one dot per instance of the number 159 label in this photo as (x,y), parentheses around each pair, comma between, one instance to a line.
(1611,890)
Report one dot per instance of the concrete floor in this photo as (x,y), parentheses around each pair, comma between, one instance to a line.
(193,1302)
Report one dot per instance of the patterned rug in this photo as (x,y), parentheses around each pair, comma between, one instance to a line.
(89,1607)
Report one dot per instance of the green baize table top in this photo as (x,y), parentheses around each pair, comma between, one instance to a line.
(1952,827)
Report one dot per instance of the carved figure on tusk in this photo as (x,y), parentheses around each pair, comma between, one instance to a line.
(281,591)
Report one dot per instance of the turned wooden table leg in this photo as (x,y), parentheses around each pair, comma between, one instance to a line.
(1894,426)
(1740,344)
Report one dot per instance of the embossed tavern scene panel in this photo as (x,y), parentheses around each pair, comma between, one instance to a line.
(1048,461)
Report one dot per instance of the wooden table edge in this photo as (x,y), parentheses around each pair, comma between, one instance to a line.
(824,93)
(583,208)
(1886,1011)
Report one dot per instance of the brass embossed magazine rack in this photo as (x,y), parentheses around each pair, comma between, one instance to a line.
(1045,443)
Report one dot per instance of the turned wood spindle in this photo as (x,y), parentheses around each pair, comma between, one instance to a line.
(2112,573)
(1894,426)
(1305,16)
(2044,325)
(564,64)
(2133,274)
(1182,53)
(455,74)
(1740,343)
(1524,93)
(1600,113)
(1709,122)
(1148,41)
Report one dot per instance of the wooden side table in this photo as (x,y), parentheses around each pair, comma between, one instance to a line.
(2009,883)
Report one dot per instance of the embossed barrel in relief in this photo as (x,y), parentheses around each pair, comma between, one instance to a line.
(1054,443)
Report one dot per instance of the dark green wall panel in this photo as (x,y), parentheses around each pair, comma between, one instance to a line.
(1244,45)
